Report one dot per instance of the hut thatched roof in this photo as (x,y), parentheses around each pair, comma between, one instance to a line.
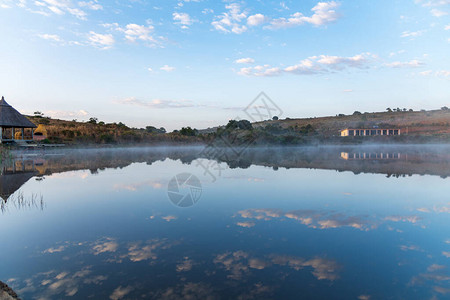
(9,117)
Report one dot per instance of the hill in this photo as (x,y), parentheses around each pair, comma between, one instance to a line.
(423,123)
(416,127)
(94,132)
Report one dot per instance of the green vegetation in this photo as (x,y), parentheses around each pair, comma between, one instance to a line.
(416,127)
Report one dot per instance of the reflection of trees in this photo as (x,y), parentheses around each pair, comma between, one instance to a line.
(412,160)
(408,160)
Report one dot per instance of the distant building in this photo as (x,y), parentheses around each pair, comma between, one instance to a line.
(13,125)
(369,132)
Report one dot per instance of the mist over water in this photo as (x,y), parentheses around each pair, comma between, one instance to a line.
(366,222)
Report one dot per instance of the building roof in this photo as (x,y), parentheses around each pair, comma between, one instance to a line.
(9,117)
(368,128)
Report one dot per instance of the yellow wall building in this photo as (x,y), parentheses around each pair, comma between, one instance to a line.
(369,132)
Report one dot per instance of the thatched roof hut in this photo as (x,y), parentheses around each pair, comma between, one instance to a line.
(10,119)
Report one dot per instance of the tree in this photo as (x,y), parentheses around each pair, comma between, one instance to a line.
(152,129)
(245,124)
(38,114)
(232,124)
(241,124)
(275,118)
(357,113)
(389,109)
(92,120)
(444,108)
(188,131)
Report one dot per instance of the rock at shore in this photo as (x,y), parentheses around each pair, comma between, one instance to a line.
(6,293)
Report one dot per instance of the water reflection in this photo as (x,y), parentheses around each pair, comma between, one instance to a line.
(14,174)
(110,232)
(373,155)
(389,160)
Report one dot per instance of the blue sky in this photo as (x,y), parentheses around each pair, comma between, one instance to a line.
(199,62)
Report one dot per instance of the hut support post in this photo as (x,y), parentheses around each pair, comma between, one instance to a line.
(12,133)
(1,134)
(23,132)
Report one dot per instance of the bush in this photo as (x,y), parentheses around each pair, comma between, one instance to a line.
(188,131)
(107,138)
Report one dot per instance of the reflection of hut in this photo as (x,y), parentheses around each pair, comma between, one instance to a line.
(10,183)
(40,133)
(12,122)
(14,174)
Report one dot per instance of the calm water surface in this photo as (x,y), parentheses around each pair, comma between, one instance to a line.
(360,223)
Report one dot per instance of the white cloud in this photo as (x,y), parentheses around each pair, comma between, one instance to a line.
(443,73)
(396,53)
(56,10)
(207,11)
(407,64)
(77,13)
(256,20)
(51,37)
(93,5)
(440,74)
(261,71)
(103,41)
(59,7)
(157,103)
(183,19)
(313,65)
(438,13)
(120,292)
(105,245)
(230,21)
(323,13)
(339,62)
(412,34)
(135,32)
(284,6)
(433,2)
(425,73)
(246,60)
(167,68)
(63,114)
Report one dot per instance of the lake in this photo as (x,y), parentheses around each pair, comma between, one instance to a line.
(264,223)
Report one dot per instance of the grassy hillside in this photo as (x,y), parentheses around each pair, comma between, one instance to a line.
(424,123)
(415,126)
(73,132)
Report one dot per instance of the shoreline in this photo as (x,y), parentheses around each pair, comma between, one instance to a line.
(7,293)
